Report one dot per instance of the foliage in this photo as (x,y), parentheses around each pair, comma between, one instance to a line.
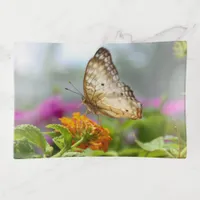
(180,49)
(156,135)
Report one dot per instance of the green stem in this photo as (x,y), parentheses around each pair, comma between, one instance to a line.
(64,149)
(146,154)
(169,154)
(163,101)
(77,143)
(179,140)
(59,154)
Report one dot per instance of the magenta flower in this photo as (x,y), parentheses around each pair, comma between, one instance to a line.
(26,117)
(156,102)
(56,107)
(47,112)
(172,107)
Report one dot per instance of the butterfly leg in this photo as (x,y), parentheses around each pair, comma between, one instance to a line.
(87,112)
(80,104)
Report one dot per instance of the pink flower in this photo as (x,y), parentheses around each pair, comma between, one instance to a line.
(26,117)
(152,102)
(172,107)
(53,106)
(47,112)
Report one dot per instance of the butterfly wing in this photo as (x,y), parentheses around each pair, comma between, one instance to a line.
(98,74)
(104,92)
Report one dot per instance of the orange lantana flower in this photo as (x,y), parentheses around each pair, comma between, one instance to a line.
(95,136)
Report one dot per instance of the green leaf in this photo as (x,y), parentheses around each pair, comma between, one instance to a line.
(174,152)
(157,153)
(151,128)
(155,144)
(32,134)
(59,141)
(49,150)
(169,155)
(51,134)
(64,131)
(110,153)
(184,153)
(129,152)
(143,153)
(115,143)
(128,124)
(100,153)
(148,112)
(73,154)
(110,124)
(171,138)
(171,146)
(24,149)
(180,49)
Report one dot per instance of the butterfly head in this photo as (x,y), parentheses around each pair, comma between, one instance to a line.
(83,100)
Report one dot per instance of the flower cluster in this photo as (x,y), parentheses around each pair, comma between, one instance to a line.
(47,112)
(95,136)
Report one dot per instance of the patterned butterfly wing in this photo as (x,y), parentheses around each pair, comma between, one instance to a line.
(104,92)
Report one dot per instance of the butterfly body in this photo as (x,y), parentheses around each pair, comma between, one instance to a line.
(91,108)
(104,93)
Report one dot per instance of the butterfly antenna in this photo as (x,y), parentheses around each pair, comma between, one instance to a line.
(73,91)
(75,88)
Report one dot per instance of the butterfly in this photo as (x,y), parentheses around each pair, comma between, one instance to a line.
(104,93)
